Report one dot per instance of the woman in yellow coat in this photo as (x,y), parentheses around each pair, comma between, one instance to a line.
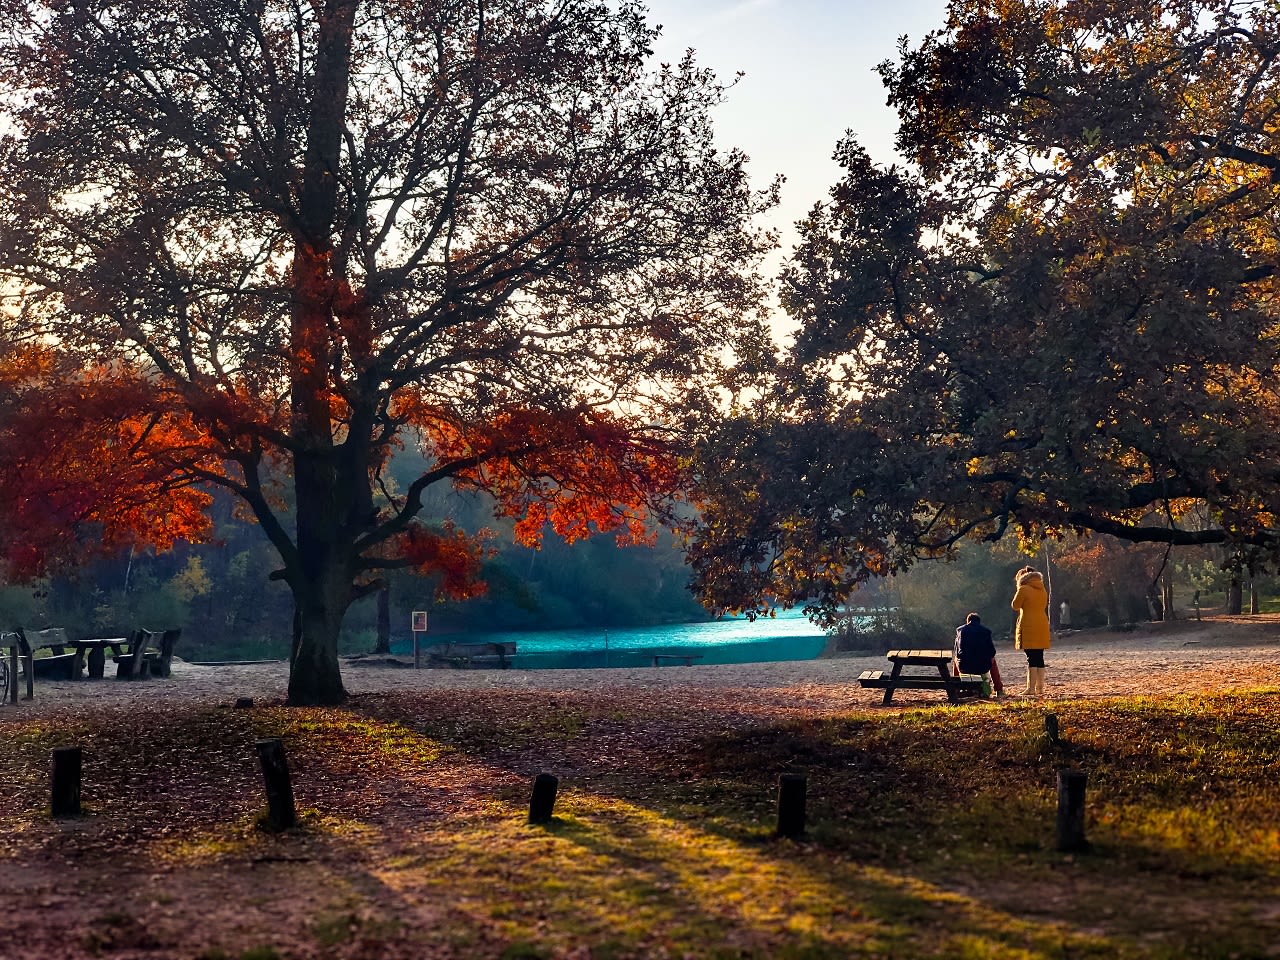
(1031,635)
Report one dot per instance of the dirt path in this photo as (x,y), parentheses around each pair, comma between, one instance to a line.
(1220,653)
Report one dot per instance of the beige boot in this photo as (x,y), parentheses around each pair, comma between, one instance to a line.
(1035,680)
(1040,681)
(1030,689)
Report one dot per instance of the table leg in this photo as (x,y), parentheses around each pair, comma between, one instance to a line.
(77,664)
(953,693)
(97,663)
(11,691)
(893,683)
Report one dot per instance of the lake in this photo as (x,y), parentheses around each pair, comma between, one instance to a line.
(788,636)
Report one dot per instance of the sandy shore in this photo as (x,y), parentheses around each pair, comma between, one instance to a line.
(1220,653)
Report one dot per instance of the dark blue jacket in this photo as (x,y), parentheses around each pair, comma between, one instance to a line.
(974,648)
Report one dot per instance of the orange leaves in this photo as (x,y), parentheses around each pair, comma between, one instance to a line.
(90,460)
(579,472)
(451,554)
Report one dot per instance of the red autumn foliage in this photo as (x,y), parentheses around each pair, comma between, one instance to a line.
(451,554)
(90,461)
(580,473)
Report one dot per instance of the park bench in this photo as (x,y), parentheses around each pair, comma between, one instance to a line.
(132,664)
(62,663)
(159,659)
(686,658)
(493,654)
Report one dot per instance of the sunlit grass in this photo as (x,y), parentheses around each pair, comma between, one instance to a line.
(931,830)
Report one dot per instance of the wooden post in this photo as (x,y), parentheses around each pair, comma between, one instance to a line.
(791,803)
(418,624)
(17,656)
(543,799)
(1071,784)
(281,814)
(1051,728)
(64,782)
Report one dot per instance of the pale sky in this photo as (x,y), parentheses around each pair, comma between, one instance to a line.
(810,76)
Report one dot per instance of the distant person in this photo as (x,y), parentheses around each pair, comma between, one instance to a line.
(1064,615)
(1031,634)
(975,652)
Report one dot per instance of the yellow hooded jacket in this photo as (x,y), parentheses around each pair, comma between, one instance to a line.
(1032,603)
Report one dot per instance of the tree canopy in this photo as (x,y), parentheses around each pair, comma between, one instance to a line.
(294,237)
(1059,314)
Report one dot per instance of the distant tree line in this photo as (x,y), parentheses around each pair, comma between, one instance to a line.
(220,594)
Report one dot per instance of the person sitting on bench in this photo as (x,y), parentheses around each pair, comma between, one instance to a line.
(975,652)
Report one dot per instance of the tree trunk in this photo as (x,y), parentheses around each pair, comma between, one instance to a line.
(383,644)
(314,676)
(322,583)
(1166,590)
(329,483)
(1254,603)
(1234,600)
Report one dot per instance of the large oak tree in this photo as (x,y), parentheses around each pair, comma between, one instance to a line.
(296,236)
(1060,314)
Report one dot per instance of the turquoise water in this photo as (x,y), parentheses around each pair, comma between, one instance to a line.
(789,636)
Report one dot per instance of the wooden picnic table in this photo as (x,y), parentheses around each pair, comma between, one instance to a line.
(938,659)
(94,647)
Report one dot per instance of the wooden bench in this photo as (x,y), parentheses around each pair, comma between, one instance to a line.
(687,658)
(132,665)
(159,659)
(967,683)
(493,654)
(62,664)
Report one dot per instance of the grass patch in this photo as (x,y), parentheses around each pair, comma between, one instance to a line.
(931,832)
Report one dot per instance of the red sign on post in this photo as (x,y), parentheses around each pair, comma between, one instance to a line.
(419,626)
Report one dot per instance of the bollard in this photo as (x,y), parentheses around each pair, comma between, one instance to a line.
(1071,784)
(543,799)
(1051,728)
(281,814)
(791,803)
(64,782)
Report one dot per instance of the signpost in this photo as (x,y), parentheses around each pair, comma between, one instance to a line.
(419,626)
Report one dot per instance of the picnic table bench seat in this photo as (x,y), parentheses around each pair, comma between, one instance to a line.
(967,683)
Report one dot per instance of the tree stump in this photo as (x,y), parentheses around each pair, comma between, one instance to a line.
(243,703)
(791,804)
(64,782)
(543,799)
(281,814)
(1071,784)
